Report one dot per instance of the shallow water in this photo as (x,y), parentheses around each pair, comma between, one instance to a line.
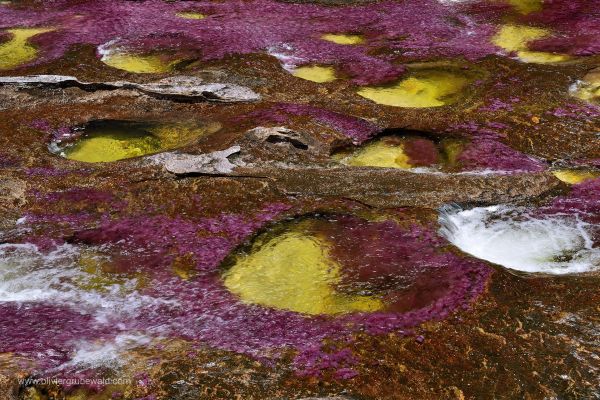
(17,50)
(106,141)
(421,89)
(515,39)
(315,73)
(294,271)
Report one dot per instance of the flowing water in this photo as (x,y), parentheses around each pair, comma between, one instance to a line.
(517,239)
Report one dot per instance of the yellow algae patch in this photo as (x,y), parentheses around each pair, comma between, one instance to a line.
(139,64)
(191,15)
(293,272)
(423,89)
(514,38)
(112,147)
(17,50)
(452,149)
(343,39)
(589,88)
(379,153)
(527,6)
(574,176)
(106,141)
(315,73)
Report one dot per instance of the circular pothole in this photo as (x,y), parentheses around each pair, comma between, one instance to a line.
(404,152)
(339,264)
(112,140)
(17,50)
(421,89)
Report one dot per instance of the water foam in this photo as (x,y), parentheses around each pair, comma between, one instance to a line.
(98,354)
(28,275)
(513,238)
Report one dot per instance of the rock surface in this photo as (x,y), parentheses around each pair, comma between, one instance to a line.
(116,269)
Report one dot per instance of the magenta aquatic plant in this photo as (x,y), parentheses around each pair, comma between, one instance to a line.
(201,309)
(417,29)
(357,129)
(489,154)
(575,24)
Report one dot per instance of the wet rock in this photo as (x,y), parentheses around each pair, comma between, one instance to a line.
(12,193)
(189,87)
(176,87)
(281,136)
(9,388)
(211,163)
(282,146)
(326,398)
(384,187)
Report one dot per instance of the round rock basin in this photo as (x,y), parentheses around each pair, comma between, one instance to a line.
(17,50)
(315,73)
(588,88)
(404,152)
(422,88)
(344,264)
(516,39)
(112,140)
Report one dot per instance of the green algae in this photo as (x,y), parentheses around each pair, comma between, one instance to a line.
(106,141)
(18,51)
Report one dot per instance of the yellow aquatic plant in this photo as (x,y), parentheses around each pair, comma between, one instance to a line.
(574,176)
(377,154)
(293,272)
(589,87)
(112,147)
(424,89)
(191,15)
(139,64)
(343,38)
(515,38)
(527,6)
(18,50)
(315,73)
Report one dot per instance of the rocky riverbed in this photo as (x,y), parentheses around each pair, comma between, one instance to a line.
(279,199)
